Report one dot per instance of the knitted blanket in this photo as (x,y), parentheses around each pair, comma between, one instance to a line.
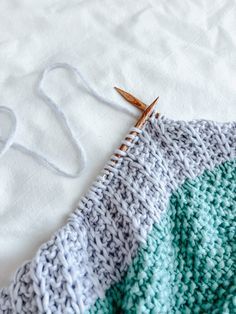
(154,234)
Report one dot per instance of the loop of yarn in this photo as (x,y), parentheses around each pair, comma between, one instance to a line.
(60,115)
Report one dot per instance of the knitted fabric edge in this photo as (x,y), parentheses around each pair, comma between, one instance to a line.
(93,250)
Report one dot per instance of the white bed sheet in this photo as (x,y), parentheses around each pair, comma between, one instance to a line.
(183,51)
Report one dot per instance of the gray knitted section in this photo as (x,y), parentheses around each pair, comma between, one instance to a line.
(93,250)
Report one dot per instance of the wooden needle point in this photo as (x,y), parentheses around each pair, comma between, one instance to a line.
(131,99)
(146,114)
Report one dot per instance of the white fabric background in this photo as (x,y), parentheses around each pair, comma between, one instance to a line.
(183,51)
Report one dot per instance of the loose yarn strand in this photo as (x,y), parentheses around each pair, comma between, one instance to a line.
(61,117)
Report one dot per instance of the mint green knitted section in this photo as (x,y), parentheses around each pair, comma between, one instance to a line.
(188,264)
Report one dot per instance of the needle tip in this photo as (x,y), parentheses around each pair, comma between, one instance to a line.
(131,99)
(153,103)
(120,91)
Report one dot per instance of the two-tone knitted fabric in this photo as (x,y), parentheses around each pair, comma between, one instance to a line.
(156,232)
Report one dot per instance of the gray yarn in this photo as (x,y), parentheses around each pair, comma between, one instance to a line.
(9,142)
(95,247)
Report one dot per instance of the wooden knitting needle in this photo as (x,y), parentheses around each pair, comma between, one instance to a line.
(131,99)
(140,123)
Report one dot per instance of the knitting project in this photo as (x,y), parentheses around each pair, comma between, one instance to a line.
(154,234)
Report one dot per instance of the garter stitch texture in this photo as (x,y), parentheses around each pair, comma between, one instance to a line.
(154,234)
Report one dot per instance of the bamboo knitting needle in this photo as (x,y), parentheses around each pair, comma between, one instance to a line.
(140,123)
(131,99)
